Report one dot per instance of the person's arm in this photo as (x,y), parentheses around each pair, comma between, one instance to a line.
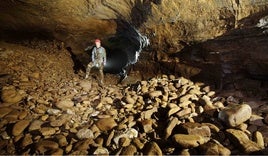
(104,57)
(87,48)
(93,54)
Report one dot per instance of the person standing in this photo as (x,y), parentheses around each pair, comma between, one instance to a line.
(98,60)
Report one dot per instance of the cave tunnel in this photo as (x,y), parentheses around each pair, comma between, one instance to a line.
(182,77)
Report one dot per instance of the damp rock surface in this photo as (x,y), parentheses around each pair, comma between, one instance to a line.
(61,113)
(170,25)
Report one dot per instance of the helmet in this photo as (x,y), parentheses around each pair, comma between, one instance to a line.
(97,40)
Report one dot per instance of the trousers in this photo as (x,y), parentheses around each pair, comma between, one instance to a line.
(100,67)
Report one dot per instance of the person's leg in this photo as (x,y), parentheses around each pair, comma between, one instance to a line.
(122,74)
(89,66)
(101,74)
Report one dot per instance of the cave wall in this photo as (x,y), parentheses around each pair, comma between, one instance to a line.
(169,24)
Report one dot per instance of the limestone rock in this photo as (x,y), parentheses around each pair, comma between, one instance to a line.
(86,85)
(24,78)
(58,151)
(101,151)
(211,93)
(171,125)
(4,111)
(138,143)
(173,110)
(258,138)
(189,141)
(64,104)
(35,125)
(35,75)
(196,129)
(19,127)
(241,140)
(129,100)
(129,150)
(130,133)
(212,127)
(206,102)
(106,124)
(22,115)
(155,94)
(147,125)
(185,152)
(27,140)
(83,145)
(46,145)
(56,123)
(184,104)
(99,141)
(62,140)
(68,148)
(53,111)
(185,98)
(84,133)
(10,95)
(182,113)
(108,100)
(124,141)
(47,131)
(109,139)
(13,115)
(242,127)
(148,113)
(235,114)
(4,135)
(152,148)
(213,147)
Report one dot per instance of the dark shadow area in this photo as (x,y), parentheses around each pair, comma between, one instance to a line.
(15,36)
(140,12)
(78,65)
(237,60)
(123,49)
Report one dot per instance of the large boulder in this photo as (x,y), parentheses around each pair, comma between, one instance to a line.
(11,95)
(189,141)
(235,115)
(242,141)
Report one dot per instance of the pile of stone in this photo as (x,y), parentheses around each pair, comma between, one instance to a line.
(163,115)
(160,116)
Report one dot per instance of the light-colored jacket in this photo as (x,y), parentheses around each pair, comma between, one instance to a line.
(98,56)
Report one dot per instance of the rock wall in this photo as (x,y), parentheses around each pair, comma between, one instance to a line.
(169,24)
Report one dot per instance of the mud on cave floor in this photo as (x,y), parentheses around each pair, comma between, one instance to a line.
(48,109)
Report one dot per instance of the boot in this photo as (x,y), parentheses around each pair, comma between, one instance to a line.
(87,73)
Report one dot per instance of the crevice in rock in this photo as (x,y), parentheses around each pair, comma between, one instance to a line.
(78,65)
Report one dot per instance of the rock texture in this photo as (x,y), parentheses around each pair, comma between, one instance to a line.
(163,115)
(170,25)
(235,115)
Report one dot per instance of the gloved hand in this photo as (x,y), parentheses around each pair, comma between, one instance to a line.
(87,48)
(103,63)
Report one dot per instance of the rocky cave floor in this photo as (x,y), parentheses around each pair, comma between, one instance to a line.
(48,109)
